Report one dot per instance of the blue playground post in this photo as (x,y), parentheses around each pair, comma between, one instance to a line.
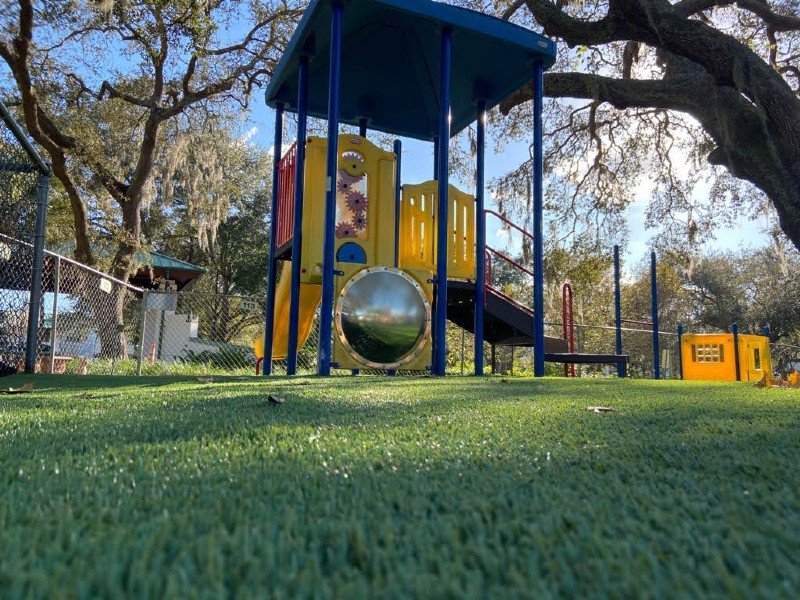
(442,206)
(398,152)
(538,246)
(297,226)
(272,264)
(654,310)
(617,312)
(680,353)
(735,331)
(326,306)
(480,237)
(362,127)
(766,330)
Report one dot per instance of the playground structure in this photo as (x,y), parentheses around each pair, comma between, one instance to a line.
(725,356)
(387,263)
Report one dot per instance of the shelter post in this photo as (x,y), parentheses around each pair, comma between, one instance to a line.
(442,206)
(480,237)
(618,313)
(538,245)
(398,191)
(334,83)
(680,351)
(362,127)
(735,331)
(297,229)
(272,264)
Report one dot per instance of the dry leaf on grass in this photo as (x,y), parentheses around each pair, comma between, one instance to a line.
(599,409)
(26,388)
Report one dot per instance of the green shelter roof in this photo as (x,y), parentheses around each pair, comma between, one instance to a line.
(390,63)
(162,261)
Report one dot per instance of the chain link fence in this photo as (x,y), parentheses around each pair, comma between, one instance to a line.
(91,323)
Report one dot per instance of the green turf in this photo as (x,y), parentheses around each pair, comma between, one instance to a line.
(394,487)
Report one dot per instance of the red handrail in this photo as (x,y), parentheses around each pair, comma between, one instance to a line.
(509,223)
(285,215)
(568,324)
(509,260)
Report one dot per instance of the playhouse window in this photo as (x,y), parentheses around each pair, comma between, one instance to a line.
(757,359)
(708,353)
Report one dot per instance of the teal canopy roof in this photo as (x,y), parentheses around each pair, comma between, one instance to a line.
(390,63)
(162,261)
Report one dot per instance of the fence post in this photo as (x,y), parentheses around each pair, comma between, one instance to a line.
(142,325)
(735,331)
(34,308)
(654,308)
(54,328)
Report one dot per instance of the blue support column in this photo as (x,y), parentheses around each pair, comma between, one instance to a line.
(480,237)
(654,311)
(442,207)
(362,127)
(618,312)
(538,228)
(297,229)
(272,264)
(680,351)
(398,152)
(735,331)
(334,83)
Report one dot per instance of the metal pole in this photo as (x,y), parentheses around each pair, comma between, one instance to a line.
(680,351)
(35,306)
(362,127)
(142,330)
(480,237)
(297,229)
(618,312)
(654,310)
(735,330)
(463,348)
(442,206)
(538,229)
(326,310)
(272,264)
(54,326)
(23,140)
(398,193)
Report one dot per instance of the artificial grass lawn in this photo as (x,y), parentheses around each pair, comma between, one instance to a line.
(395,487)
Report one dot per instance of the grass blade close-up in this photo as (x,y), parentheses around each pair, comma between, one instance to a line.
(398,487)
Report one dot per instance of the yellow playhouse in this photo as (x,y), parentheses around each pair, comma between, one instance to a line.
(713,357)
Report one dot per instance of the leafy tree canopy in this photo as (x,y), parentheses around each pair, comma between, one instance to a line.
(699,96)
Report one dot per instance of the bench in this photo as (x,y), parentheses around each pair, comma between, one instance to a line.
(589,359)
